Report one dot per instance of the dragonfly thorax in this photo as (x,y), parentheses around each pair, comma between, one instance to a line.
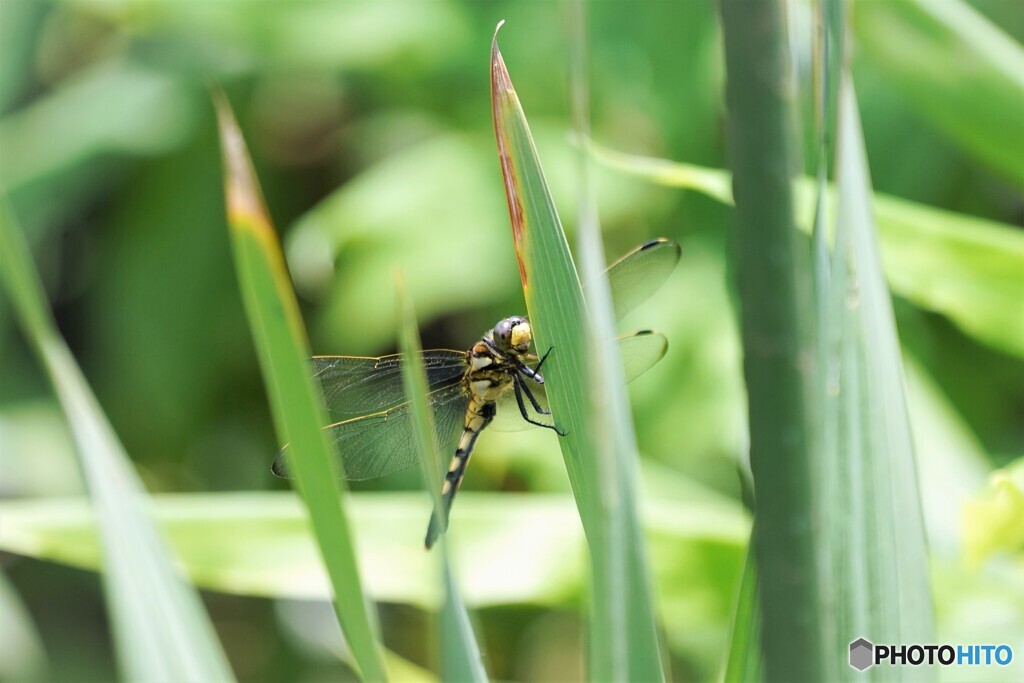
(495,360)
(489,372)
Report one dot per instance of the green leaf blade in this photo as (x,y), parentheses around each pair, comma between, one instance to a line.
(873,537)
(551,286)
(584,383)
(298,416)
(139,576)
(261,543)
(460,654)
(743,663)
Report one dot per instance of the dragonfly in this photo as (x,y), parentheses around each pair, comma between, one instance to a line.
(498,382)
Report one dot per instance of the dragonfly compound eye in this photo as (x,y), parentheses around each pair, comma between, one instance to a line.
(503,331)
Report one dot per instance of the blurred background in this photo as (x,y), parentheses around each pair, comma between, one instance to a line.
(369,125)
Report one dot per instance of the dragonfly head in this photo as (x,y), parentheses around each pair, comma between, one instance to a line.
(513,334)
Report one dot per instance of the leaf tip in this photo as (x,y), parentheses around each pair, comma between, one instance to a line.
(501,84)
(242,194)
(504,104)
(495,52)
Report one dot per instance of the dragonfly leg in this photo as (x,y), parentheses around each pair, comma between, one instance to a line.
(520,386)
(533,373)
(544,358)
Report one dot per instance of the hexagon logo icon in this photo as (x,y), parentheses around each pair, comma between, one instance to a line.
(861,654)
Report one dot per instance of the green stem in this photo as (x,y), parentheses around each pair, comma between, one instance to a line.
(774,289)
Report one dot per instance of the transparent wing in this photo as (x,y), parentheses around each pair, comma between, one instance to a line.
(382,443)
(353,385)
(640,273)
(639,351)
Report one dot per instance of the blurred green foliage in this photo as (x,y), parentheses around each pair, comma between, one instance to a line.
(370,128)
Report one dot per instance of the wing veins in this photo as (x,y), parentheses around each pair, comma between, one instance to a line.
(376,434)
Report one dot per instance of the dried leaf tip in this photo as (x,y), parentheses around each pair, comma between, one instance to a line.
(504,109)
(242,193)
(500,81)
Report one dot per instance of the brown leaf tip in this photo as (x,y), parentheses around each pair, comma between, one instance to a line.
(502,95)
(243,195)
(500,81)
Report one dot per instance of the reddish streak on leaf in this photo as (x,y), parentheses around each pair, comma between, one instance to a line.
(503,99)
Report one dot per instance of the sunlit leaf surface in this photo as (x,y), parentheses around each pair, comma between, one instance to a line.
(506,548)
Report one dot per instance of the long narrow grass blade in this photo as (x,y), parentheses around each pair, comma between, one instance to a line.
(161,631)
(743,664)
(22,657)
(551,287)
(774,282)
(873,548)
(598,445)
(460,654)
(625,617)
(414,381)
(828,41)
(969,269)
(283,352)
(513,548)
(961,72)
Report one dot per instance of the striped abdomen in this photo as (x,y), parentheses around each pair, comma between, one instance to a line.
(479,414)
